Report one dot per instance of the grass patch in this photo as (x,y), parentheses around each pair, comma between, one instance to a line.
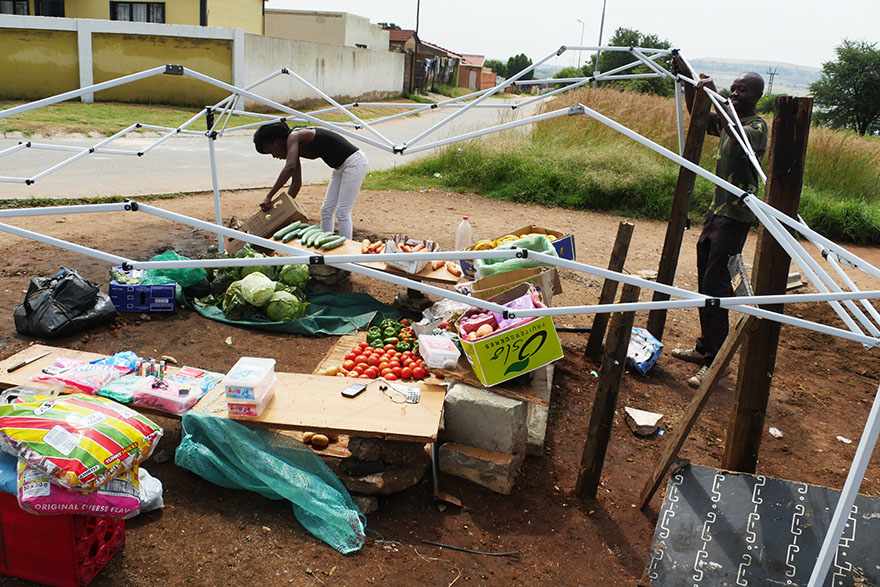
(451,91)
(48,202)
(108,118)
(579,163)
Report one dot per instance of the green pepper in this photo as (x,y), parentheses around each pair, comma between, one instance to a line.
(374,341)
(374,331)
(403,346)
(389,332)
(386,323)
(391,340)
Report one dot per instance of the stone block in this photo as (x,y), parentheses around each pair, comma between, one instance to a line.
(537,414)
(389,451)
(493,470)
(642,423)
(477,417)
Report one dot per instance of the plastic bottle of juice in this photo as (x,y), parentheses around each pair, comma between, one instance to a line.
(463,235)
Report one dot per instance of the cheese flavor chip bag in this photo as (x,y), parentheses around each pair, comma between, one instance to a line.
(81,441)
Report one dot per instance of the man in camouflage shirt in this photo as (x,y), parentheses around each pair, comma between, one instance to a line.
(729,220)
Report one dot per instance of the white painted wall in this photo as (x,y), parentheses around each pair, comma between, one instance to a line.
(329,28)
(338,71)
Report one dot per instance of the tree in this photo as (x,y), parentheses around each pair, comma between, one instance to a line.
(849,89)
(517,63)
(766,103)
(624,37)
(497,66)
(567,72)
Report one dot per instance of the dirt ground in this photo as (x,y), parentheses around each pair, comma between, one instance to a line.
(207,535)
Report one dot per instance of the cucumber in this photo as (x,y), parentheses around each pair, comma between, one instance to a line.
(292,235)
(290,227)
(314,237)
(305,234)
(336,241)
(324,239)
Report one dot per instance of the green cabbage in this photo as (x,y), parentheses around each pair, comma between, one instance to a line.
(267,270)
(234,306)
(294,275)
(284,306)
(256,289)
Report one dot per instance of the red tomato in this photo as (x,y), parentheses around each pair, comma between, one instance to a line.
(407,353)
(353,374)
(364,344)
(372,360)
(368,349)
(397,371)
(359,369)
(418,373)
(383,365)
(350,356)
(348,365)
(371,372)
(363,377)
(394,363)
(391,353)
(384,371)
(388,347)
(406,373)
(409,363)
(391,377)
(360,359)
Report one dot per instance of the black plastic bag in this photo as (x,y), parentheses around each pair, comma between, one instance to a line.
(62,304)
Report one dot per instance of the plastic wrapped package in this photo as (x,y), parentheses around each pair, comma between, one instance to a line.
(84,377)
(8,473)
(118,498)
(81,441)
(151,492)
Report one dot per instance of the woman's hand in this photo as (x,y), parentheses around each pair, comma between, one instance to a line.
(266,204)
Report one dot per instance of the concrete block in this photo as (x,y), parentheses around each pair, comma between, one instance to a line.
(477,417)
(537,414)
(642,423)
(490,469)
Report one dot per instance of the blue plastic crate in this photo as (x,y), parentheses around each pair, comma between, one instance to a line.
(143,298)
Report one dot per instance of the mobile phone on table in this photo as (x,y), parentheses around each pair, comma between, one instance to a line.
(354,389)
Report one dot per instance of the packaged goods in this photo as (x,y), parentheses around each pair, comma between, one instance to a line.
(247,376)
(439,352)
(82,441)
(252,408)
(118,498)
(84,377)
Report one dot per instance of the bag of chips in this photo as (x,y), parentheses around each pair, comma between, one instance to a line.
(81,441)
(118,498)
(81,376)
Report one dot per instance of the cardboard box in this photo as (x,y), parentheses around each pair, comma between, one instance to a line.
(284,211)
(564,245)
(546,279)
(407,265)
(142,298)
(510,353)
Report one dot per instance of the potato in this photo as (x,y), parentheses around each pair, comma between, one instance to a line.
(320,441)
(308,436)
(485,329)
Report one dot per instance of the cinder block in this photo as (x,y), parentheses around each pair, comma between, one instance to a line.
(477,417)
(492,470)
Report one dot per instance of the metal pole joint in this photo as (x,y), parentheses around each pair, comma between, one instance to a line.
(316,260)
(576,109)
(131,206)
(173,69)
(713,302)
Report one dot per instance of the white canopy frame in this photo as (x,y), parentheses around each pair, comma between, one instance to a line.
(842,298)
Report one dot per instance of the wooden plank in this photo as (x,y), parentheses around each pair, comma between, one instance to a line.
(681,201)
(24,375)
(314,402)
(526,394)
(602,416)
(350,247)
(695,408)
(788,148)
(609,290)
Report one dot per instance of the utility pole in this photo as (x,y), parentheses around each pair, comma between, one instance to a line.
(771,73)
(582,42)
(599,52)
(412,86)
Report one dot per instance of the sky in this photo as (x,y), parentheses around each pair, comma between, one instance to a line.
(803,33)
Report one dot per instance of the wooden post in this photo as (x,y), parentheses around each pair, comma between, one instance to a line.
(602,417)
(609,290)
(788,148)
(684,190)
(677,438)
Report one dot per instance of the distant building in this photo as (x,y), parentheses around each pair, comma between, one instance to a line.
(246,14)
(473,74)
(329,28)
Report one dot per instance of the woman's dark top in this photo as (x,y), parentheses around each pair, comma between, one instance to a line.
(330,147)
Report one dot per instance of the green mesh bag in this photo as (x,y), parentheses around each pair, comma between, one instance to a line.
(538,243)
(235,456)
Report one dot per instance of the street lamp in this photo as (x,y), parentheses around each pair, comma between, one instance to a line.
(599,52)
(582,42)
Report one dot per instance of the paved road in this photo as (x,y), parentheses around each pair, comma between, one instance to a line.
(182,163)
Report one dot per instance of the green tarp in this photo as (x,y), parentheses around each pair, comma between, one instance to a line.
(328,314)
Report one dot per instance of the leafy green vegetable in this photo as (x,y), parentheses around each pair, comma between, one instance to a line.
(295,275)
(234,306)
(284,306)
(256,289)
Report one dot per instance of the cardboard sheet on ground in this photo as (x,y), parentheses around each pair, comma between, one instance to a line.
(314,403)
(722,528)
(328,314)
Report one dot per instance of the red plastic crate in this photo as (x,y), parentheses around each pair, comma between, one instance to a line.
(59,550)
